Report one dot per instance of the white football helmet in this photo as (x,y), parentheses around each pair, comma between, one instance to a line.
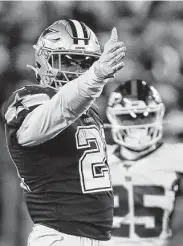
(64,51)
(135,112)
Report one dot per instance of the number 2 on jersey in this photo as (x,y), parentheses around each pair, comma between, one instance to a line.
(93,169)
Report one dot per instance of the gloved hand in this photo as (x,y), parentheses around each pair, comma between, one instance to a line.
(111,59)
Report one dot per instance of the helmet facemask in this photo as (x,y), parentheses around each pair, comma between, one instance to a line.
(136,127)
(63,67)
(135,119)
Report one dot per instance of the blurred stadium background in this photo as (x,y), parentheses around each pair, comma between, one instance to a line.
(153,34)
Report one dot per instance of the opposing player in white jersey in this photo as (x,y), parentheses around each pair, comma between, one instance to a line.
(146,173)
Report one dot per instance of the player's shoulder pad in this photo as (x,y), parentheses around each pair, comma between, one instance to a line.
(23,101)
(174,156)
(174,149)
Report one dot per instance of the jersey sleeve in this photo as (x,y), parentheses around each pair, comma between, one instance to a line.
(22,102)
(53,116)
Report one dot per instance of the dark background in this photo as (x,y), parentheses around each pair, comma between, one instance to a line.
(153,34)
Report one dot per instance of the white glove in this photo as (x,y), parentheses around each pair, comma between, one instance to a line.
(111,59)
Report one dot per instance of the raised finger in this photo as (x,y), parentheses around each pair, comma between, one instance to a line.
(114,35)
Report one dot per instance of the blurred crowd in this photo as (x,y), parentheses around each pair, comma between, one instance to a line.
(153,34)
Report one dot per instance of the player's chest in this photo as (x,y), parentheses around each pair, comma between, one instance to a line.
(84,133)
(144,185)
(127,174)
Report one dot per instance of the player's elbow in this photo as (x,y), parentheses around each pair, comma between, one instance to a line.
(25,139)
(28,136)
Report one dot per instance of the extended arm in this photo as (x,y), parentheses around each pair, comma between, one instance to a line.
(54,115)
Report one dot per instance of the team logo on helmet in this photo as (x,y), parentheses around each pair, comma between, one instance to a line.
(52,35)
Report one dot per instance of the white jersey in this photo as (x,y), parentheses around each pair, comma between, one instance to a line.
(144,195)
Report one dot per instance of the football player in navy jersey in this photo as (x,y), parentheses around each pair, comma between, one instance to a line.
(55,136)
(146,173)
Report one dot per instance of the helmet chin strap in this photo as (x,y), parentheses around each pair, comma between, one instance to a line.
(33,68)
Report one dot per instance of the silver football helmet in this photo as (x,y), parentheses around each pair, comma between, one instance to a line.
(135,112)
(64,51)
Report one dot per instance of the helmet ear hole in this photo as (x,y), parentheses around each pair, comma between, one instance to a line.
(38,78)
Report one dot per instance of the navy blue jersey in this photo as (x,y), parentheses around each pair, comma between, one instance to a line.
(66,179)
